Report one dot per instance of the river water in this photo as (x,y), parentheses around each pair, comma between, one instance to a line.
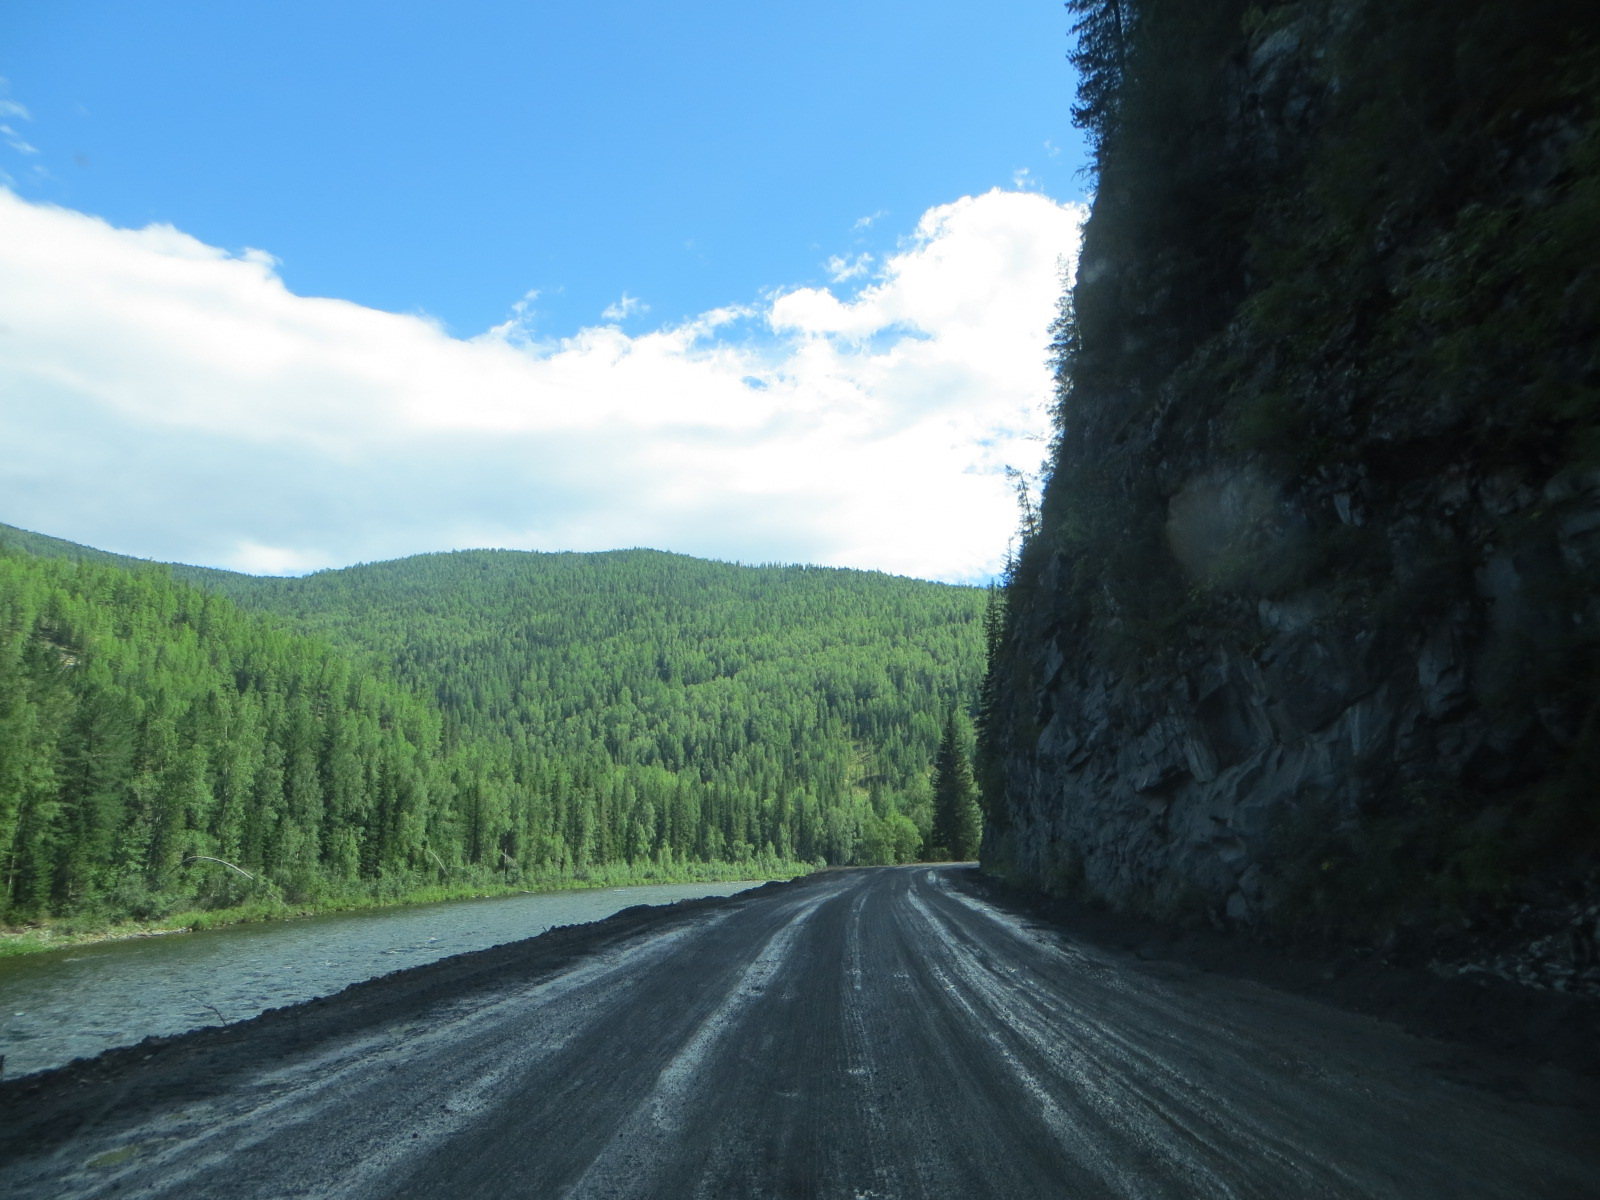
(76,1002)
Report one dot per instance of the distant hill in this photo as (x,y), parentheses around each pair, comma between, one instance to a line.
(635,705)
(658,658)
(43,546)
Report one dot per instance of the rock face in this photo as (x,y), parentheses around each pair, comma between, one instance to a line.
(1306,629)
(1173,784)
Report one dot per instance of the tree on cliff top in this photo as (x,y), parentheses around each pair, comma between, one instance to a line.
(1101,58)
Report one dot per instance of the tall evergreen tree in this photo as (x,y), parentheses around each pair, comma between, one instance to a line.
(957,822)
(1102,28)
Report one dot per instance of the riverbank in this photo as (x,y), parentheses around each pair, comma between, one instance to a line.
(59,933)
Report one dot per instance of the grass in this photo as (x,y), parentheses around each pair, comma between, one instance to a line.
(63,932)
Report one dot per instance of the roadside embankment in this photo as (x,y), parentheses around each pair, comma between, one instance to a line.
(1531,1023)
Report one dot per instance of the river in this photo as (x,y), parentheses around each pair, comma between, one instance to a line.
(78,1001)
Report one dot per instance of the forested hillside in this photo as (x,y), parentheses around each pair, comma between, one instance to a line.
(144,723)
(793,706)
(775,681)
(1304,634)
(546,715)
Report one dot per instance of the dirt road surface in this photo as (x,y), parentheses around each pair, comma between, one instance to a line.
(870,1033)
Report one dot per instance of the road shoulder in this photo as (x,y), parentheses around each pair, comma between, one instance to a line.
(1518,1040)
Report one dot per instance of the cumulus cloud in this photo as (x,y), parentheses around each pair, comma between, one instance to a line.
(163,397)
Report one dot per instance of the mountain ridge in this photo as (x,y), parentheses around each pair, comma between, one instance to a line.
(49,546)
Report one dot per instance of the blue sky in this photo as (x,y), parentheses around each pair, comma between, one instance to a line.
(448,160)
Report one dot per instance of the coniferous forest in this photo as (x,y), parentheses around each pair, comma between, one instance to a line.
(180,739)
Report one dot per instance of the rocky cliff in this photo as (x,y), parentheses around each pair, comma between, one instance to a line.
(1305,633)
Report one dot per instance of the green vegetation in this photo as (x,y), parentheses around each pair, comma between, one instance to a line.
(796,704)
(472,722)
(957,820)
(54,933)
(148,730)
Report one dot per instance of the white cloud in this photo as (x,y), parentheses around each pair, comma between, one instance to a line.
(15,141)
(275,560)
(9,107)
(518,326)
(866,221)
(11,110)
(842,267)
(162,397)
(624,308)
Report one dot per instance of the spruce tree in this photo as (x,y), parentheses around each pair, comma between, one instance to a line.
(1103,29)
(957,823)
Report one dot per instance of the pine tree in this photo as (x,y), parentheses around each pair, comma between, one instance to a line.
(957,823)
(986,764)
(1103,28)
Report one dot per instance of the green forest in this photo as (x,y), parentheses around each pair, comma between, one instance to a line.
(178,740)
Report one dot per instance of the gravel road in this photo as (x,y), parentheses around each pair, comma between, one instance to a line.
(870,1033)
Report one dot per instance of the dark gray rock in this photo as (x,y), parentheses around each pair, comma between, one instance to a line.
(1383,635)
